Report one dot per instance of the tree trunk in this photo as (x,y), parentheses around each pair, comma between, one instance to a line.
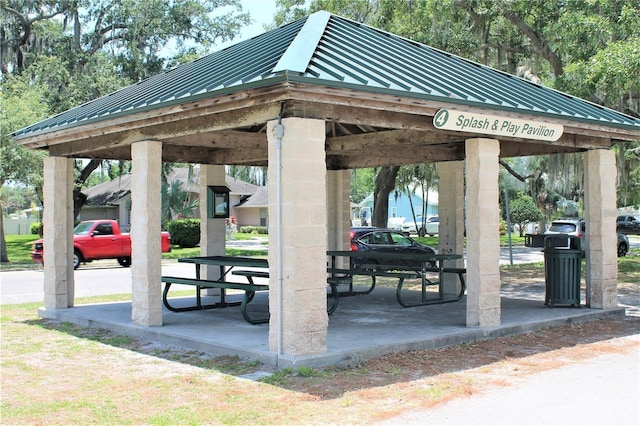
(541,45)
(4,257)
(385,183)
(78,197)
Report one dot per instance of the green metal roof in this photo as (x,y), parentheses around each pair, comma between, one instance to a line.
(325,49)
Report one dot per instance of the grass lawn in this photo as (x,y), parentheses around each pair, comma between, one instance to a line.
(59,373)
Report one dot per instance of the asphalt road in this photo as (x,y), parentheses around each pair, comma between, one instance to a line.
(107,277)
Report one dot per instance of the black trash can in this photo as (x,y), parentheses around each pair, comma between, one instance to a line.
(562,270)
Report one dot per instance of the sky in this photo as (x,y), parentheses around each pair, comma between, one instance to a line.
(262,12)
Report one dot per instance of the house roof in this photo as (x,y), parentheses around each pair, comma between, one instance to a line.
(259,199)
(320,65)
(112,191)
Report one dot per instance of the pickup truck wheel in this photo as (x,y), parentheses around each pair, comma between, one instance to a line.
(77,257)
(124,261)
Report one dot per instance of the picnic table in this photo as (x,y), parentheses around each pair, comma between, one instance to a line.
(259,269)
(226,264)
(400,266)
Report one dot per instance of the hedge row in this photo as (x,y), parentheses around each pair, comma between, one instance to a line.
(184,232)
(254,230)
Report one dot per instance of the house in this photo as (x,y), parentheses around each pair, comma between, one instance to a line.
(112,199)
(400,207)
(252,210)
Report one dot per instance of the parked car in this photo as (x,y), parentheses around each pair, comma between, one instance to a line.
(627,224)
(623,245)
(386,240)
(577,227)
(431,226)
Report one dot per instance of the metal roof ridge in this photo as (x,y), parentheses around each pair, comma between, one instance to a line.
(297,56)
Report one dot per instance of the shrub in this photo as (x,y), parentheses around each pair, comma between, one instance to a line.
(184,232)
(254,229)
(36,228)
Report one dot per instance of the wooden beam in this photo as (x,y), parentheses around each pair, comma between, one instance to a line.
(242,109)
(511,149)
(389,156)
(397,138)
(200,127)
(222,139)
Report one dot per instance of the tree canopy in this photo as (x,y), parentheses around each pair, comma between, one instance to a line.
(587,48)
(55,55)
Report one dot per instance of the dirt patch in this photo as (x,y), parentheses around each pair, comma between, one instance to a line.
(517,351)
(85,375)
(144,380)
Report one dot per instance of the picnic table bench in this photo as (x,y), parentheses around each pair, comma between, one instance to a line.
(264,274)
(401,266)
(227,264)
(249,292)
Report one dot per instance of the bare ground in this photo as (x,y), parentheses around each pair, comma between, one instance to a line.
(55,359)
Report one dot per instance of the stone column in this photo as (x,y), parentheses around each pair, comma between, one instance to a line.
(338,210)
(146,250)
(58,232)
(601,239)
(297,296)
(212,231)
(451,216)
(483,235)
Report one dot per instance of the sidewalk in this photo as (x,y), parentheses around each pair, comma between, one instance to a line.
(604,390)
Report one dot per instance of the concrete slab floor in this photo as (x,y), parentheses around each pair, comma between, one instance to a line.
(363,326)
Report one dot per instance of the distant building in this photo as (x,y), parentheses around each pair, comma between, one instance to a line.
(112,199)
(400,207)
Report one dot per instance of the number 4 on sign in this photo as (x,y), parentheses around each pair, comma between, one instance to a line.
(441,118)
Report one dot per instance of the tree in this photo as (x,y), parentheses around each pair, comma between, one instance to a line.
(251,174)
(176,202)
(74,51)
(80,50)
(385,183)
(589,49)
(362,184)
(133,32)
(523,210)
(20,105)
(422,178)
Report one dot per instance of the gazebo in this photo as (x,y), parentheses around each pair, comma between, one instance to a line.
(311,100)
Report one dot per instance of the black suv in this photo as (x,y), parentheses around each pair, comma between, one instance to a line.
(628,224)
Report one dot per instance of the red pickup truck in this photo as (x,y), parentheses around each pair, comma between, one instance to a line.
(99,239)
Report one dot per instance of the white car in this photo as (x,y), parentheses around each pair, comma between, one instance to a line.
(432,225)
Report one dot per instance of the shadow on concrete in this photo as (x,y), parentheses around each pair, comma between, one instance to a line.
(363,327)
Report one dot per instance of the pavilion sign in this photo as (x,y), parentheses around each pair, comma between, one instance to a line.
(494,125)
